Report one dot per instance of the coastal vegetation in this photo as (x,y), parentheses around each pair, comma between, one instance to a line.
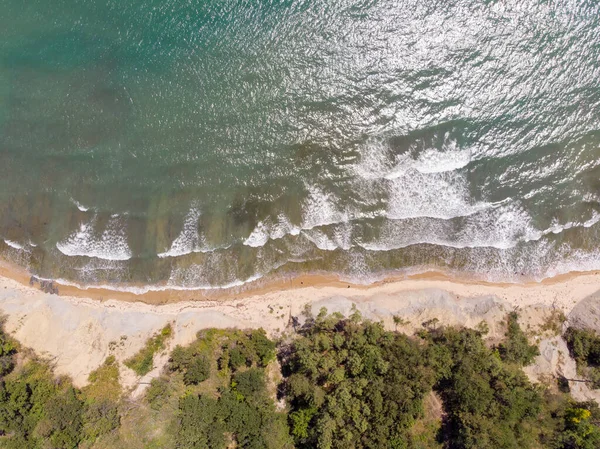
(584,346)
(142,362)
(335,382)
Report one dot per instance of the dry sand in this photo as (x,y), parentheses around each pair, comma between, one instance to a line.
(78,333)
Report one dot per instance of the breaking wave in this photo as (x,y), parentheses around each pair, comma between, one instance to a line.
(111,244)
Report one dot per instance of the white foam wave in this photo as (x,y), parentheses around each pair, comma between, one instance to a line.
(340,236)
(320,239)
(80,206)
(189,239)
(436,195)
(428,186)
(502,227)
(578,260)
(13,244)
(110,245)
(379,161)
(434,161)
(557,228)
(268,230)
(318,210)
(141,290)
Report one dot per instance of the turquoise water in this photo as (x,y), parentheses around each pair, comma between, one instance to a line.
(207,144)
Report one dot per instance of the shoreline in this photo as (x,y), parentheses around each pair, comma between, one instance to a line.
(266,286)
(79,331)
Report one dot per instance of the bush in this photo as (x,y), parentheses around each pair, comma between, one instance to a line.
(198,370)
(353,384)
(100,418)
(64,416)
(142,362)
(199,424)
(579,431)
(236,358)
(104,382)
(157,393)
(180,357)
(263,347)
(488,404)
(516,347)
(249,383)
(584,346)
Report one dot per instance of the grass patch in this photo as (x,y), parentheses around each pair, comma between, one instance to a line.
(142,362)
(554,323)
(104,382)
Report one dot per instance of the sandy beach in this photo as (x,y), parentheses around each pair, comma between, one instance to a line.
(78,332)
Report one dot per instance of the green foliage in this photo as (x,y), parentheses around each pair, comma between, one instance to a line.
(263,347)
(579,431)
(179,359)
(516,348)
(198,370)
(584,346)
(236,358)
(38,410)
(158,392)
(240,409)
(100,418)
(488,404)
(8,348)
(300,420)
(348,383)
(200,425)
(249,383)
(352,384)
(104,382)
(63,421)
(142,362)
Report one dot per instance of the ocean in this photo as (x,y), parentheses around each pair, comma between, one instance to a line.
(202,145)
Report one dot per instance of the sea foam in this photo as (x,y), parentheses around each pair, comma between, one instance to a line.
(110,245)
(189,239)
(13,244)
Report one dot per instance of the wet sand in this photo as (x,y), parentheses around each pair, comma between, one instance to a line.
(302,281)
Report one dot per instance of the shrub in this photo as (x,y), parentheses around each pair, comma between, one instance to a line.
(142,362)
(157,393)
(64,416)
(249,383)
(584,345)
(236,358)
(199,423)
(198,370)
(516,347)
(264,348)
(100,418)
(104,382)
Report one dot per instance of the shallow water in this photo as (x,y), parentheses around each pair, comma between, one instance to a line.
(198,146)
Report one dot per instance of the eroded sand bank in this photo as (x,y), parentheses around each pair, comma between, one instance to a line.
(78,333)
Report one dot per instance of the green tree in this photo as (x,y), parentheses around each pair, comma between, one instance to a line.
(64,420)
(516,348)
(236,358)
(579,432)
(199,426)
(250,383)
(198,370)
